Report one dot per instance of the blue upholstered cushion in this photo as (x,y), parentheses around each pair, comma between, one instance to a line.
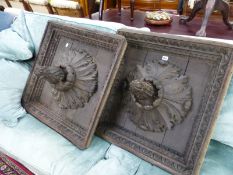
(15,41)
(20,27)
(224,128)
(13,47)
(13,77)
(43,150)
(6,20)
(37,23)
(31,26)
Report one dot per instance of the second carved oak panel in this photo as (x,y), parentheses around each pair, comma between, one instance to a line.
(166,97)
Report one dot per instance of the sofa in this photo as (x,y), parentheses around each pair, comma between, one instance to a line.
(45,152)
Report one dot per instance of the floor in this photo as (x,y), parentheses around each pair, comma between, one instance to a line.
(215,29)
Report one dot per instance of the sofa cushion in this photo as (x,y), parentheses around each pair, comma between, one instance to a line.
(38,2)
(224,128)
(6,20)
(44,151)
(35,23)
(13,47)
(20,27)
(117,161)
(218,160)
(80,162)
(65,4)
(13,77)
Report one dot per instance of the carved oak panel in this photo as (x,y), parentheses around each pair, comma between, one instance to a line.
(166,98)
(71,79)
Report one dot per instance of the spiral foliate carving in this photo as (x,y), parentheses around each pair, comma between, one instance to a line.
(161,97)
(73,81)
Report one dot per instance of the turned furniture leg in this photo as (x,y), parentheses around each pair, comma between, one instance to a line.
(50,9)
(2,8)
(119,7)
(101,9)
(209,6)
(209,9)
(8,3)
(225,16)
(197,7)
(91,4)
(26,6)
(132,3)
(224,8)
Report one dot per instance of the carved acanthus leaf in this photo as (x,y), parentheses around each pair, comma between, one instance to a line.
(73,80)
(162,96)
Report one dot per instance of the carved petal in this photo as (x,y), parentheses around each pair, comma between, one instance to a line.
(148,121)
(175,98)
(85,84)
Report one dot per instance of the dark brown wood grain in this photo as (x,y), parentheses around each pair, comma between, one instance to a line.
(152,4)
(71,79)
(171,128)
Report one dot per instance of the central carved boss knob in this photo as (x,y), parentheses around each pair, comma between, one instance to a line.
(60,77)
(73,81)
(145,93)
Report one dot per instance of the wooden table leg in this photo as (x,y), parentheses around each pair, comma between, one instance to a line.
(101,9)
(8,3)
(199,5)
(224,8)
(90,5)
(132,3)
(119,7)
(27,6)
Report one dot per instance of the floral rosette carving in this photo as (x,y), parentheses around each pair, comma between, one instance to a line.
(74,80)
(159,97)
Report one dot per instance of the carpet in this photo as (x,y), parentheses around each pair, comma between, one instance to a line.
(9,166)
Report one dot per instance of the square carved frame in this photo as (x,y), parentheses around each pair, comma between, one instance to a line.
(71,79)
(174,136)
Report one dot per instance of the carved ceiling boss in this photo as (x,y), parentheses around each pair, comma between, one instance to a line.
(73,80)
(159,97)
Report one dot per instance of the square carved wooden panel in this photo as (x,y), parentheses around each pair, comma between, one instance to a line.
(166,98)
(71,79)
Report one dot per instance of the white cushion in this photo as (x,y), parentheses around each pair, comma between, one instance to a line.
(65,4)
(38,2)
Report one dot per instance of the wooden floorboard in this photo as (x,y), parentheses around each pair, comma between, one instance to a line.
(215,28)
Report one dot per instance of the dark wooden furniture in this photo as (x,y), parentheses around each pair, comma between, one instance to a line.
(132,5)
(71,79)
(139,4)
(151,5)
(214,29)
(91,4)
(26,5)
